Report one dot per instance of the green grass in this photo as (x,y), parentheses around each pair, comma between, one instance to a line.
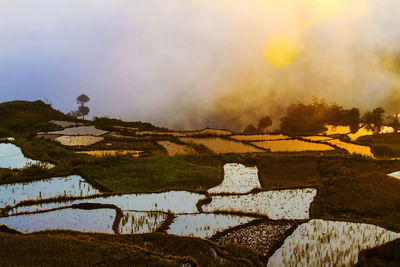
(25,116)
(155,249)
(156,173)
(382,145)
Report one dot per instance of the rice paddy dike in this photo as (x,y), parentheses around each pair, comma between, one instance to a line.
(109,192)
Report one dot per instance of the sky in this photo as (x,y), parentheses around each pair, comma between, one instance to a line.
(190,64)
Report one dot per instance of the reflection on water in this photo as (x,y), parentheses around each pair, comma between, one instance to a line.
(175,201)
(331,130)
(176,149)
(102,153)
(11,156)
(329,243)
(237,179)
(140,222)
(84,140)
(292,146)
(205,225)
(352,148)
(99,221)
(220,145)
(353,136)
(259,137)
(71,186)
(277,205)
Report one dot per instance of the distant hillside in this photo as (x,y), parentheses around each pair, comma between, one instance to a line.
(108,124)
(27,116)
(22,116)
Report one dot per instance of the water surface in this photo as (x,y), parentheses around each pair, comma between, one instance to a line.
(71,186)
(205,225)
(11,156)
(329,243)
(96,221)
(83,140)
(237,179)
(292,204)
(292,146)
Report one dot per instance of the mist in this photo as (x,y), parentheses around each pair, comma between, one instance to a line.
(189,64)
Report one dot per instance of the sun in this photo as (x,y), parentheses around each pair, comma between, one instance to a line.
(280,51)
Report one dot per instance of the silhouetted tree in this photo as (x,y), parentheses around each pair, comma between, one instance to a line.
(395,124)
(82,99)
(374,120)
(264,123)
(354,120)
(82,109)
(250,130)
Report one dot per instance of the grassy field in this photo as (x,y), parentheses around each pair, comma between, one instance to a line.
(156,173)
(382,145)
(156,249)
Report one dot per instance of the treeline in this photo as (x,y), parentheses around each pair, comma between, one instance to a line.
(302,119)
(312,118)
(308,119)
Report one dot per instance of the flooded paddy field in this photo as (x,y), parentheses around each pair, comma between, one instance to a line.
(102,153)
(71,186)
(291,146)
(238,209)
(83,140)
(176,149)
(277,205)
(205,225)
(259,137)
(237,179)
(96,221)
(262,236)
(352,148)
(11,156)
(332,243)
(222,145)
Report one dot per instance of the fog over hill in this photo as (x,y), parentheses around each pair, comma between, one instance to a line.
(191,64)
